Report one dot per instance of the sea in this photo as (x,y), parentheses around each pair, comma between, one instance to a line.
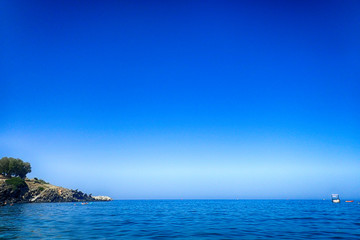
(182,219)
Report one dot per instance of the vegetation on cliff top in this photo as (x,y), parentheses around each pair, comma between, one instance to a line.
(36,180)
(14,167)
(16,183)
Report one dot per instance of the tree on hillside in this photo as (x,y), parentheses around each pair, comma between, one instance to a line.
(4,166)
(14,167)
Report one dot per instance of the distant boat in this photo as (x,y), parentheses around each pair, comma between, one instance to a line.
(350,201)
(335,198)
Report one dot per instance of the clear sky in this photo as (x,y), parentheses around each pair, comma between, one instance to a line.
(184,99)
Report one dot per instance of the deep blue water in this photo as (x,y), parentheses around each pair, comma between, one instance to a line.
(182,219)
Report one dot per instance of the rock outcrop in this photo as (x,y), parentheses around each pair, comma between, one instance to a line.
(9,194)
(35,191)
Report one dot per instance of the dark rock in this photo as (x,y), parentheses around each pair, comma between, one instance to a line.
(11,194)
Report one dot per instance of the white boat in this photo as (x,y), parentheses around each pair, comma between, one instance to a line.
(335,198)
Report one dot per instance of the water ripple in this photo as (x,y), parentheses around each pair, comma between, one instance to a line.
(189,219)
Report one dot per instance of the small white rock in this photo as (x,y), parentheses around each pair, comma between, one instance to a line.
(102,198)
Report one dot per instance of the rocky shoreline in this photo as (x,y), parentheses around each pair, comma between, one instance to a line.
(38,191)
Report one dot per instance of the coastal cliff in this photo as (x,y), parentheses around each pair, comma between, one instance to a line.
(16,190)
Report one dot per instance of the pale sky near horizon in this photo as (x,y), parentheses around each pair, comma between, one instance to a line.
(184,99)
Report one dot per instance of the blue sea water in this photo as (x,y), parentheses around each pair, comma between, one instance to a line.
(182,219)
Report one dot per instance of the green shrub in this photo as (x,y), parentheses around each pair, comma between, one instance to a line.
(16,182)
(41,189)
(40,181)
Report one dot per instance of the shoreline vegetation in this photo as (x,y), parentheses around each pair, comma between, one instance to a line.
(15,187)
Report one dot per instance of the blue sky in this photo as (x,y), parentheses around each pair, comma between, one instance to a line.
(184,99)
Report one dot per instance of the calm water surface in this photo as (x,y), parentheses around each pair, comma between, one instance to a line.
(182,219)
